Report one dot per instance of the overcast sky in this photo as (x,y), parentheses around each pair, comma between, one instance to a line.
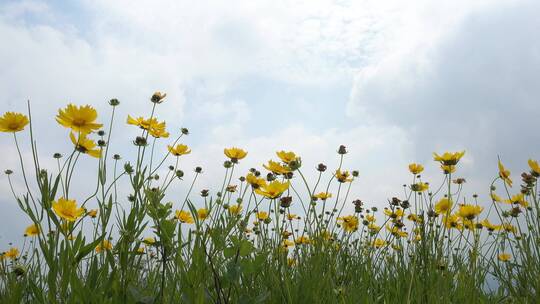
(394,81)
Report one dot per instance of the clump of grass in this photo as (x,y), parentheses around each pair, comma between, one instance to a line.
(244,243)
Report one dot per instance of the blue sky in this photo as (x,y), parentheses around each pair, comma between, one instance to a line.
(392,80)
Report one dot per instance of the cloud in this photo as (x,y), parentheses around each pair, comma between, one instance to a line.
(472,88)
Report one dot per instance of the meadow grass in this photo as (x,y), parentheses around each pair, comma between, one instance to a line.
(241,242)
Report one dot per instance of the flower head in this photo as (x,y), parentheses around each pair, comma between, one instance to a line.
(518,199)
(13,122)
(323,195)
(504,257)
(179,150)
(273,190)
(149,240)
(12,253)
(416,168)
(505,174)
(419,187)
(80,119)
(343,176)
(67,209)
(235,154)
(255,181)
(349,223)
(92,213)
(276,167)
(448,158)
(447,169)
(286,157)
(443,206)
(396,231)
(31,230)
(394,214)
(184,217)
(158,97)
(85,145)
(489,226)
(202,214)
(469,211)
(452,221)
(302,240)
(378,243)
(535,168)
(105,245)
(262,215)
(235,209)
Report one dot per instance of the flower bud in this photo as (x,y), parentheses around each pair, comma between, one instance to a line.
(114,102)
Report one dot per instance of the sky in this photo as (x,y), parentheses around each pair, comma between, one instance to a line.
(393,81)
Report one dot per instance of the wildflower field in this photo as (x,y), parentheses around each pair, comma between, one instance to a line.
(263,236)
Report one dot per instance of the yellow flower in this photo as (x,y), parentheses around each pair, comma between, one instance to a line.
(12,253)
(370,218)
(535,168)
(396,231)
(158,97)
(140,250)
(518,199)
(31,230)
(496,198)
(254,181)
(138,121)
(323,195)
(489,226)
(508,227)
(149,240)
(67,209)
(373,227)
(262,215)
(414,218)
(273,190)
(504,257)
(80,119)
(235,154)
(287,243)
(452,221)
(448,169)
(448,158)
(349,223)
(468,224)
(302,240)
(152,125)
(291,216)
(416,168)
(179,150)
(419,187)
(505,174)
(235,209)
(469,211)
(184,217)
(396,247)
(276,167)
(394,214)
(202,214)
(158,130)
(378,243)
(443,206)
(343,176)
(13,122)
(85,145)
(104,246)
(286,157)
(92,213)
